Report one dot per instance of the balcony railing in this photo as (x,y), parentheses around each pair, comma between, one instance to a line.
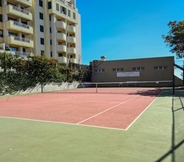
(25,2)
(22,53)
(22,39)
(68,3)
(62,1)
(21,24)
(21,10)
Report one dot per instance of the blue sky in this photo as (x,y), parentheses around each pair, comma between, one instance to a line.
(124,29)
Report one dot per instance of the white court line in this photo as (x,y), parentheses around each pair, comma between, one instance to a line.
(106,110)
(53,122)
(142,112)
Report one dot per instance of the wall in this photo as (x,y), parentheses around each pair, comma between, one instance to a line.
(50,87)
(148,74)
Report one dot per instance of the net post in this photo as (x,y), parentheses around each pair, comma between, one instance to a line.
(173,85)
(96,88)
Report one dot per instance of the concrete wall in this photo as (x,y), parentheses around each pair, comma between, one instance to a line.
(50,87)
(107,71)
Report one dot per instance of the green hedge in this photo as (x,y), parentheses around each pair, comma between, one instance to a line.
(19,74)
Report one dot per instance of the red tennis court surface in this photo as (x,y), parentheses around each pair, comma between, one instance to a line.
(109,110)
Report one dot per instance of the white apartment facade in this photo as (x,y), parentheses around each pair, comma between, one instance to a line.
(49,27)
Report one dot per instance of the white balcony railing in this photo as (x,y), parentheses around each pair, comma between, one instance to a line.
(22,53)
(22,39)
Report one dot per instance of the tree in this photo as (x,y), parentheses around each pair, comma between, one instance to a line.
(175,38)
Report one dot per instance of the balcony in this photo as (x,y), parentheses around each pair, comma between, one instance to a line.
(69,4)
(71,39)
(14,25)
(14,10)
(71,29)
(18,41)
(71,50)
(22,53)
(60,13)
(61,24)
(25,2)
(61,36)
(62,59)
(61,48)
(73,60)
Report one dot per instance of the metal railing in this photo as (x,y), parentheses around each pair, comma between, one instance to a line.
(21,24)
(21,53)
(68,3)
(20,10)
(22,39)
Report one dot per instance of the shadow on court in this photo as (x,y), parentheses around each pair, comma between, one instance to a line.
(153,92)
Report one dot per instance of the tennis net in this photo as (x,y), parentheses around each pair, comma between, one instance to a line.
(120,87)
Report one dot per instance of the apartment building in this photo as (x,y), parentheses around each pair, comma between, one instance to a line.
(49,27)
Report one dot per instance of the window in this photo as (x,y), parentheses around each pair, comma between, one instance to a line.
(9,18)
(12,34)
(41,28)
(42,52)
(68,12)
(117,69)
(160,67)
(42,41)
(24,22)
(138,68)
(57,7)
(1,18)
(1,33)
(50,42)
(50,30)
(41,16)
(41,3)
(49,17)
(63,10)
(134,68)
(13,49)
(99,70)
(74,15)
(60,54)
(50,54)
(49,5)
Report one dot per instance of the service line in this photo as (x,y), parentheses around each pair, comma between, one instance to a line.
(106,110)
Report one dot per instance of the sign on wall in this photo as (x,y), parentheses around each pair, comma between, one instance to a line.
(128,74)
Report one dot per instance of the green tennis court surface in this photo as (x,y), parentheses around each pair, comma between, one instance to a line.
(148,139)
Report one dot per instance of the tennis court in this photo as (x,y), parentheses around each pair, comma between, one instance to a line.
(108,109)
(115,124)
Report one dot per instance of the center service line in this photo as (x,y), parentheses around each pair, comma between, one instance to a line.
(107,110)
